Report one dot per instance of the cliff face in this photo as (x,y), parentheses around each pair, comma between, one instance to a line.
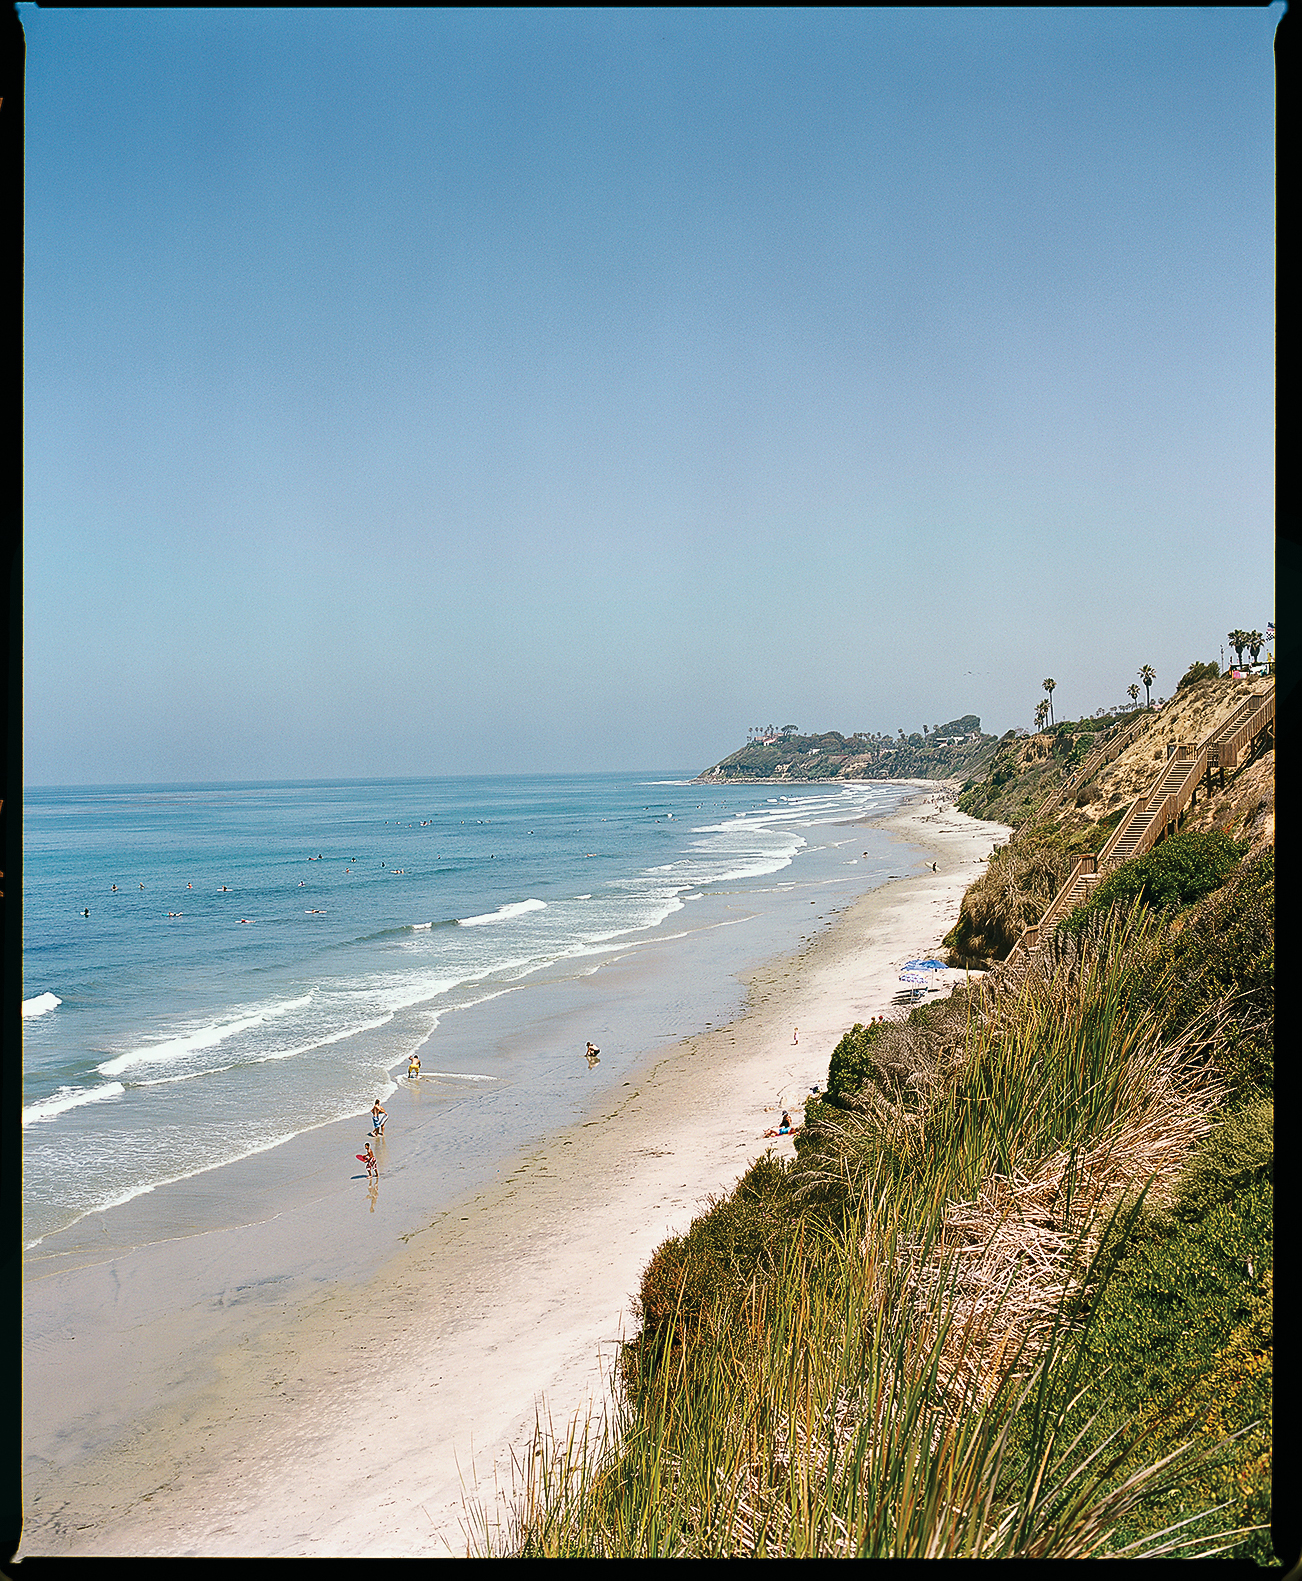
(957,750)
(1024,771)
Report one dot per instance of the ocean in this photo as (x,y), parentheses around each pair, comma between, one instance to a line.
(212,970)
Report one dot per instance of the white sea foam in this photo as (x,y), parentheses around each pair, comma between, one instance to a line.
(69,1098)
(504,913)
(40,1005)
(261,1059)
(200,1038)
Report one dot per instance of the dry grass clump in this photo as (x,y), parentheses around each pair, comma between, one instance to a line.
(1020,880)
(816,1424)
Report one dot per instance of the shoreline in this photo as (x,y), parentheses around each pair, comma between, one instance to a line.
(355,1421)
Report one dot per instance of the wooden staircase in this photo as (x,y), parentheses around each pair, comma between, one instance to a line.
(1150,818)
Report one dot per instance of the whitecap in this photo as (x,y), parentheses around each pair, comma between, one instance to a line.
(504,913)
(40,1005)
(69,1098)
(200,1038)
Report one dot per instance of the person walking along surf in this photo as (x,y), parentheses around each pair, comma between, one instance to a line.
(379,1114)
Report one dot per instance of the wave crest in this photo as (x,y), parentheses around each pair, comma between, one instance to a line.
(69,1098)
(504,913)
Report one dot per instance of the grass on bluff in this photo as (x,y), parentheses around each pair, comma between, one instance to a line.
(1011,1298)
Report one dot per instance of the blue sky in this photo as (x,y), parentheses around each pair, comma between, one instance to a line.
(438,392)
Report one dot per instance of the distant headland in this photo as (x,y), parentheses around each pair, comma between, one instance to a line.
(775,754)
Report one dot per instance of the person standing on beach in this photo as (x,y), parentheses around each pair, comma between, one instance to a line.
(795,1034)
(372,1163)
(378,1116)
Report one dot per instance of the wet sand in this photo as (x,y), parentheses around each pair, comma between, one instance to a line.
(366,1416)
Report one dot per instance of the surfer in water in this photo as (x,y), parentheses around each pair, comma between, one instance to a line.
(413,1066)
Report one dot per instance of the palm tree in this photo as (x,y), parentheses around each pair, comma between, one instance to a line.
(1132,692)
(1042,713)
(1148,675)
(1238,641)
(1253,643)
(1049,686)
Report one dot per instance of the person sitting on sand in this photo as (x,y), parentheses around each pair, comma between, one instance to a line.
(784,1129)
(413,1066)
(378,1116)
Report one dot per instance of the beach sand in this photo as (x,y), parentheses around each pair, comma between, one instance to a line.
(368,1417)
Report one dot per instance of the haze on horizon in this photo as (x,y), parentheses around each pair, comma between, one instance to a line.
(440,392)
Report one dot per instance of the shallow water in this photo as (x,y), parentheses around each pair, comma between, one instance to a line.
(273,954)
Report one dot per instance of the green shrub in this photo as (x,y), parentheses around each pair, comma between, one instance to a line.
(1223,952)
(851,1063)
(1198,672)
(1238,1154)
(1180,1345)
(1084,746)
(724,1248)
(1179,871)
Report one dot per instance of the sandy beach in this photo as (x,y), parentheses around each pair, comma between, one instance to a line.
(364,1419)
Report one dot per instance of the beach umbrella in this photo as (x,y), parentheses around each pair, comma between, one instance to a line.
(931,964)
(912,977)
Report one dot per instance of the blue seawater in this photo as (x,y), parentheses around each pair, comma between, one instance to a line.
(261,959)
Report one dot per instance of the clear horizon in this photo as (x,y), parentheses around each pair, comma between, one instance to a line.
(446,393)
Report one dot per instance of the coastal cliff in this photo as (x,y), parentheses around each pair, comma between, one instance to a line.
(1012,1295)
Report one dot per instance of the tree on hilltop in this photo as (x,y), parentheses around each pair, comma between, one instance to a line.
(1049,686)
(1253,642)
(1132,692)
(1148,675)
(1238,641)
